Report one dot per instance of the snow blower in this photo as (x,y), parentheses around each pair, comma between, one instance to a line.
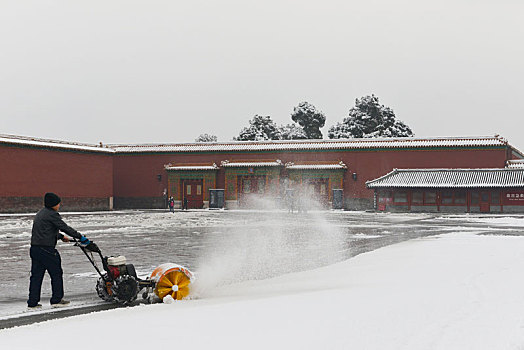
(120,283)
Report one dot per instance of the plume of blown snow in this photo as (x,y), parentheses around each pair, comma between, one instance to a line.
(279,243)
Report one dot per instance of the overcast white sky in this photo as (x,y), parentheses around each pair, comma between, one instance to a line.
(166,71)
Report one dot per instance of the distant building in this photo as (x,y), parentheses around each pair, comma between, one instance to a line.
(105,177)
(450,190)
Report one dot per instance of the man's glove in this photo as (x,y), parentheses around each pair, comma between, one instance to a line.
(84,242)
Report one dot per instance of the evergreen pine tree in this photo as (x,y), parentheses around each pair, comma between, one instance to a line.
(369,119)
(260,128)
(206,138)
(310,119)
(292,132)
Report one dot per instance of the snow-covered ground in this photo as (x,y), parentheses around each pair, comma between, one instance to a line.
(462,289)
(453,291)
(227,246)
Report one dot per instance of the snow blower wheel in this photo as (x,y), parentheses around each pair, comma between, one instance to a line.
(104,288)
(125,289)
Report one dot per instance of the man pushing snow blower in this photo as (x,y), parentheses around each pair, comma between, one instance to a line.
(44,256)
(118,280)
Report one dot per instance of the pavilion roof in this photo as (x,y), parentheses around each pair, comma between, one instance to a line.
(449,178)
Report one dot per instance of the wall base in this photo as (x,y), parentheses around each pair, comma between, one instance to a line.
(140,203)
(33,204)
(457,209)
(359,204)
(231,204)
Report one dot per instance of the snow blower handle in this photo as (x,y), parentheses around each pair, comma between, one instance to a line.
(93,248)
(85,243)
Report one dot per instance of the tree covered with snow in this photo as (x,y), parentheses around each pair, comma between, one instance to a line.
(310,119)
(206,138)
(369,119)
(292,132)
(260,128)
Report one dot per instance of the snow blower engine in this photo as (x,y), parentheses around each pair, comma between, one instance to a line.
(120,283)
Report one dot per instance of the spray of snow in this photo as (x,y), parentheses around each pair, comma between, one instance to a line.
(268,249)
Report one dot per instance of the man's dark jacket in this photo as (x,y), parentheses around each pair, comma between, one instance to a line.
(46,225)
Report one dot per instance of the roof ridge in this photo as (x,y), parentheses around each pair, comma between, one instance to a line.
(40,139)
(280,145)
(448,178)
(341,140)
(41,142)
(455,169)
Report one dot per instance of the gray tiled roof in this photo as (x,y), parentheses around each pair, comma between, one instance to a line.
(45,143)
(316,166)
(446,178)
(517,163)
(290,145)
(191,167)
(250,164)
(277,146)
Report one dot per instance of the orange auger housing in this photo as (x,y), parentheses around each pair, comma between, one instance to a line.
(172,279)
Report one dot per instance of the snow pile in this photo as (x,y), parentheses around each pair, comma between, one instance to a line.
(454,291)
(506,220)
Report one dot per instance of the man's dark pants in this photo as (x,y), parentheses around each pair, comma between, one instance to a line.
(42,259)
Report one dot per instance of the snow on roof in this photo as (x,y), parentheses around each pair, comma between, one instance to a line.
(289,145)
(254,164)
(445,178)
(249,164)
(267,145)
(316,166)
(37,142)
(191,167)
(515,163)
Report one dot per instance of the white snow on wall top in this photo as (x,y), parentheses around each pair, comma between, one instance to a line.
(339,165)
(278,145)
(446,178)
(239,164)
(515,164)
(44,143)
(289,145)
(191,167)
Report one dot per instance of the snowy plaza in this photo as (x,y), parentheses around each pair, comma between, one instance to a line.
(275,174)
(327,279)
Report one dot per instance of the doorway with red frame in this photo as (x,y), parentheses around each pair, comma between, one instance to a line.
(193,190)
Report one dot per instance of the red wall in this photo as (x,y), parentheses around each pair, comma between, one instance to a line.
(30,172)
(373,164)
(135,175)
(513,197)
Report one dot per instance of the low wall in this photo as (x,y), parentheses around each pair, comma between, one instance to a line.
(513,209)
(359,204)
(231,204)
(424,208)
(33,204)
(140,203)
(397,208)
(178,205)
(453,209)
(427,209)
